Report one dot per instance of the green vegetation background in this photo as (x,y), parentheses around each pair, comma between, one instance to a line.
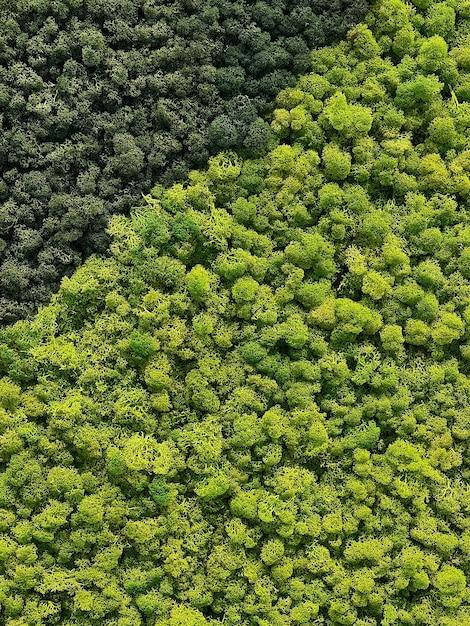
(255,409)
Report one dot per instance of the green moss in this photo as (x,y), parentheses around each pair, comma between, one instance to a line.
(257,412)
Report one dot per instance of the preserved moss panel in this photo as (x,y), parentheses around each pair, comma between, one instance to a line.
(255,410)
(100,98)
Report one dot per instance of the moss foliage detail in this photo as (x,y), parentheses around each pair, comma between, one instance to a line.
(99,98)
(255,410)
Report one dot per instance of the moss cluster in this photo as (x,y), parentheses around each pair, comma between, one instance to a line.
(99,98)
(255,410)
